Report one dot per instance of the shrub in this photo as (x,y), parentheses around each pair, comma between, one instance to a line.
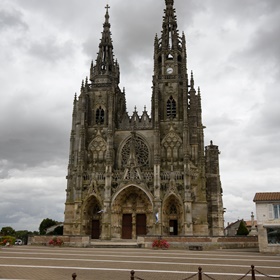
(7,239)
(242,229)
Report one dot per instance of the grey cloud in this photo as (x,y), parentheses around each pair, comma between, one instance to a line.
(26,151)
(30,198)
(51,49)
(261,48)
(90,47)
(242,11)
(30,140)
(4,169)
(264,119)
(31,209)
(267,123)
(67,16)
(12,18)
(265,47)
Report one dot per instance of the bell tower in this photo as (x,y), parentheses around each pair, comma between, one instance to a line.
(178,128)
(170,62)
(105,78)
(96,114)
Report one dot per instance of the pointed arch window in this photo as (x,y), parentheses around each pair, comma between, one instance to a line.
(171,107)
(99,116)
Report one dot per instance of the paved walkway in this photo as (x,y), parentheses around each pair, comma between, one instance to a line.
(42,263)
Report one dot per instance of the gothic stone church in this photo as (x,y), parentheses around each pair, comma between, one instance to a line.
(146,174)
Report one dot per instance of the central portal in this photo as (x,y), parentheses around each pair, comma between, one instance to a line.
(128,230)
(131,214)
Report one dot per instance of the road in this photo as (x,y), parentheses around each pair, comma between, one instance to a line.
(42,263)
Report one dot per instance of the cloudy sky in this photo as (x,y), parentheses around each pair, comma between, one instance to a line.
(46,48)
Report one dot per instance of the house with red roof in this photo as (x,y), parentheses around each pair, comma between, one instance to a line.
(268,219)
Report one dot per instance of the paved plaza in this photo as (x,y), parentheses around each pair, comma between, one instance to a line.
(42,263)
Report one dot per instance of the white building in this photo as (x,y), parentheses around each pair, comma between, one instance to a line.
(268,219)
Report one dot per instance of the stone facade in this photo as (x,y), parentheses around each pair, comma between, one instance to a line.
(142,174)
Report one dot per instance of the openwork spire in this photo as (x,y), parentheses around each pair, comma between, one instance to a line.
(105,59)
(170,37)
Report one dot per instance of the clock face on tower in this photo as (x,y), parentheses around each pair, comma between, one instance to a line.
(169,70)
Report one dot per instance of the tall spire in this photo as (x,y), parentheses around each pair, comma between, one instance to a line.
(105,64)
(170,37)
(105,58)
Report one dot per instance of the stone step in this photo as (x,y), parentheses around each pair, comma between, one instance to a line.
(114,243)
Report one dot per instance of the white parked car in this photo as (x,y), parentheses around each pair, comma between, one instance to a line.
(18,242)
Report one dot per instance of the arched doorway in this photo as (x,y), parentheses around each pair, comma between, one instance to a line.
(172,216)
(131,214)
(92,218)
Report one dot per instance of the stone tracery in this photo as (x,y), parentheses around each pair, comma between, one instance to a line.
(98,148)
(141,152)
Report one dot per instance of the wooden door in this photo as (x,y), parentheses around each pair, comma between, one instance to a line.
(127,226)
(173,227)
(95,230)
(141,226)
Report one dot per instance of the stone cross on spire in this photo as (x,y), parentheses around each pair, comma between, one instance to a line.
(169,2)
(107,8)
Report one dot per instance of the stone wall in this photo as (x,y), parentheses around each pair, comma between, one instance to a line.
(176,242)
(68,240)
(207,243)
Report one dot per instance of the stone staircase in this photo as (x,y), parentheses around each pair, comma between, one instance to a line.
(119,243)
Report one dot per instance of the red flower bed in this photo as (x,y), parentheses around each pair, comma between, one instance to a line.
(56,241)
(160,243)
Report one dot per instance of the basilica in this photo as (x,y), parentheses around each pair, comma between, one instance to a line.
(143,174)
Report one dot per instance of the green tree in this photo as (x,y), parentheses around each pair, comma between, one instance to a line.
(242,229)
(8,231)
(23,235)
(46,223)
